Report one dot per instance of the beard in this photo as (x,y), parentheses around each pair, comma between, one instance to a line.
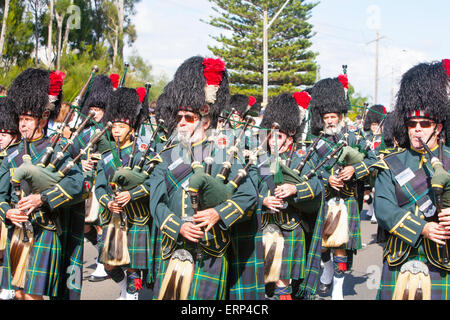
(333,129)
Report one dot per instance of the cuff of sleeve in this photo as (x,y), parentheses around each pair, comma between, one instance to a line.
(56,197)
(361,170)
(4,206)
(408,228)
(104,200)
(229,213)
(304,191)
(171,226)
(139,192)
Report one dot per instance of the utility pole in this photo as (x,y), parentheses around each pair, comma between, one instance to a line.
(266,26)
(377,40)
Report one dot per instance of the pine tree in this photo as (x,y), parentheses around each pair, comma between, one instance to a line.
(291,63)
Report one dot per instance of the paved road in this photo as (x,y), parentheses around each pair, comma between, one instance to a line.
(360,283)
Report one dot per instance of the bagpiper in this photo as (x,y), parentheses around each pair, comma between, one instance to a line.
(9,140)
(97,102)
(126,249)
(195,221)
(341,234)
(412,190)
(42,191)
(289,206)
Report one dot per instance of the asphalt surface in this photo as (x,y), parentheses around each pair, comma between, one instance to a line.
(360,283)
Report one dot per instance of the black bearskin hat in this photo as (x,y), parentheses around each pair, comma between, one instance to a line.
(99,93)
(9,120)
(375,114)
(284,110)
(388,130)
(327,96)
(166,109)
(33,90)
(423,93)
(201,86)
(125,105)
(241,104)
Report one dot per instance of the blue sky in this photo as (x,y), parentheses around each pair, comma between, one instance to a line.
(170,31)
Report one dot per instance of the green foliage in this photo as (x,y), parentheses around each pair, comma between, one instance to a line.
(18,41)
(356,103)
(87,46)
(291,63)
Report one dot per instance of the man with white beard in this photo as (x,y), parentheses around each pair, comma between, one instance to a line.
(342,237)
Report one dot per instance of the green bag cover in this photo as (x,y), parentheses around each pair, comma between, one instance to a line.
(290,176)
(103,144)
(38,178)
(442,178)
(349,156)
(128,178)
(212,191)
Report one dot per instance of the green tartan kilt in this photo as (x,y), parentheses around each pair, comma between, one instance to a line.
(294,253)
(210,275)
(140,246)
(44,266)
(72,244)
(246,278)
(354,225)
(440,279)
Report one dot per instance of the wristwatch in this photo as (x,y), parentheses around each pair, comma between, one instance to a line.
(44,198)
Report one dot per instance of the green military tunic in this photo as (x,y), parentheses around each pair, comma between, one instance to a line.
(46,257)
(404,203)
(171,203)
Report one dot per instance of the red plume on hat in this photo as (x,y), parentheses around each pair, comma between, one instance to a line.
(213,71)
(446,66)
(344,80)
(251,100)
(115,80)
(141,93)
(56,82)
(303,98)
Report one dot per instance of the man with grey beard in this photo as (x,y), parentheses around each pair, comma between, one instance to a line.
(341,236)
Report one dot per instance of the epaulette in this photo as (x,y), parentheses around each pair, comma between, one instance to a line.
(381,164)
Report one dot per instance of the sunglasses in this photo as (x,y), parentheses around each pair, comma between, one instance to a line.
(189,118)
(423,123)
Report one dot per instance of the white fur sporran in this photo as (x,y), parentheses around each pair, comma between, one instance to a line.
(335,230)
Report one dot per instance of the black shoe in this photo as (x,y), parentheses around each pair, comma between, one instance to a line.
(97,279)
(324,288)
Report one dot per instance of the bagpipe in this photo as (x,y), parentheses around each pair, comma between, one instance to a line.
(43,176)
(361,125)
(205,192)
(335,232)
(440,183)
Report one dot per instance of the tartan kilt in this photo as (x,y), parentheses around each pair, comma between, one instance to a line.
(139,246)
(354,225)
(44,268)
(440,279)
(72,244)
(294,253)
(210,275)
(246,276)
